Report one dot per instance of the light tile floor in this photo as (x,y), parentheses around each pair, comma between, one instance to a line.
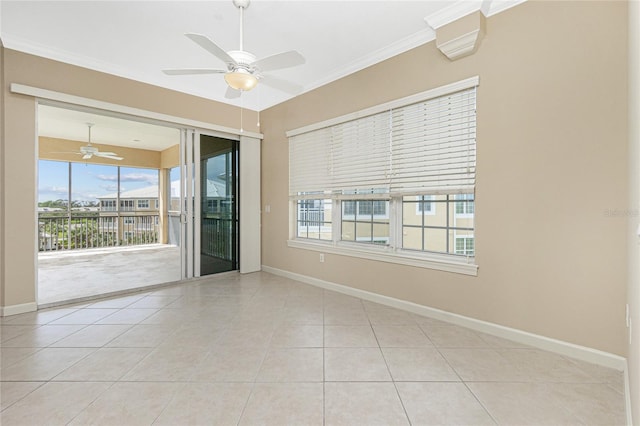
(262,349)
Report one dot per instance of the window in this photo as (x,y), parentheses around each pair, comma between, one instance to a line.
(126,205)
(401,178)
(128,220)
(370,225)
(143,204)
(108,205)
(213,206)
(436,232)
(465,246)
(157,204)
(365,208)
(107,219)
(349,208)
(465,206)
(314,219)
(424,204)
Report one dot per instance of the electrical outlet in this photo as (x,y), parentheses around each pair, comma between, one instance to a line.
(267,208)
(321,257)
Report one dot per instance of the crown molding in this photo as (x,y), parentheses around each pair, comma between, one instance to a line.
(453,12)
(60,55)
(464,7)
(497,6)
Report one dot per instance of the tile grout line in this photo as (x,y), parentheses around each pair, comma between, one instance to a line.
(395,386)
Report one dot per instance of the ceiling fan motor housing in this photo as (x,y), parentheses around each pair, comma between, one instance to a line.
(241,3)
(88,150)
(243,59)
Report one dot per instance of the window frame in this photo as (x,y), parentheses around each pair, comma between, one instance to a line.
(450,227)
(389,253)
(305,224)
(371,219)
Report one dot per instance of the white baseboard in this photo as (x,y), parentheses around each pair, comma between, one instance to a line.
(583,353)
(6,311)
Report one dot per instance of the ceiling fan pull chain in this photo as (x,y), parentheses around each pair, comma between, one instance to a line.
(241,108)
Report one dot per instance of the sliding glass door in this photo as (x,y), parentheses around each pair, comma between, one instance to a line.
(218,205)
(210,218)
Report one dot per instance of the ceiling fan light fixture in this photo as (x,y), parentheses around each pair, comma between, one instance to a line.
(241,79)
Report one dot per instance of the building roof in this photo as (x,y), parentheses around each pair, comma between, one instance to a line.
(215,188)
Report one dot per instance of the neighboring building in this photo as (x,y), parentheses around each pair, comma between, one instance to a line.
(136,219)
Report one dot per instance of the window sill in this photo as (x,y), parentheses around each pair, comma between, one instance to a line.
(447,263)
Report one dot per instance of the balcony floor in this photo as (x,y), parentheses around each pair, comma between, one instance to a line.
(78,274)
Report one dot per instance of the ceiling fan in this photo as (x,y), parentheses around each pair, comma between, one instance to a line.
(89,150)
(243,70)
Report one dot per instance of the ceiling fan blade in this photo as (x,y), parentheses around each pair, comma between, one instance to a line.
(190,71)
(110,155)
(232,93)
(278,61)
(283,85)
(87,156)
(208,45)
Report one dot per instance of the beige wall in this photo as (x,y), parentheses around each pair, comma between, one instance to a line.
(170,157)
(18,162)
(633,295)
(2,155)
(552,160)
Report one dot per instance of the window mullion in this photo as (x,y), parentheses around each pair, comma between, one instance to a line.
(336,219)
(395,223)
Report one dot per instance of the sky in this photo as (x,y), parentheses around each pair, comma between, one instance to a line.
(90,181)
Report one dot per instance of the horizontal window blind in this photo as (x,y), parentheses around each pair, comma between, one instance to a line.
(360,155)
(428,147)
(310,162)
(434,145)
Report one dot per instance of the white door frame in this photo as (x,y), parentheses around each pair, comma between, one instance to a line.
(66,100)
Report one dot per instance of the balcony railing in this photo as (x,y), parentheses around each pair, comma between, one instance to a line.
(311,217)
(217,237)
(90,230)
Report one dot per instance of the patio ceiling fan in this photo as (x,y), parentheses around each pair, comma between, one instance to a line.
(243,69)
(89,150)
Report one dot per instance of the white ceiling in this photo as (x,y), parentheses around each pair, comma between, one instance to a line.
(137,39)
